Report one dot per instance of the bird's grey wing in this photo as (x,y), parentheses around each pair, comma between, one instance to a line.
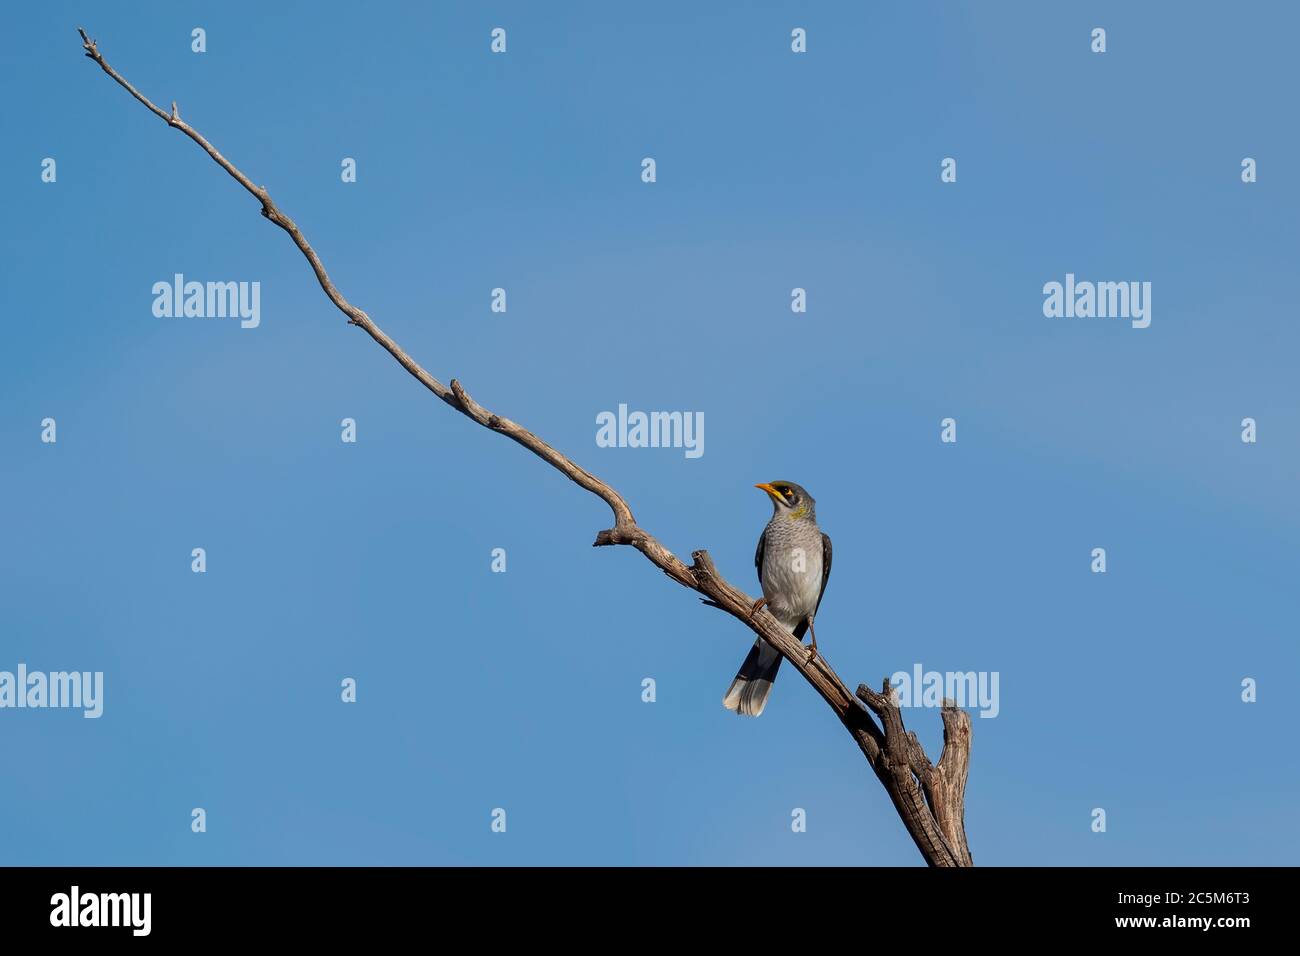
(826,568)
(758,554)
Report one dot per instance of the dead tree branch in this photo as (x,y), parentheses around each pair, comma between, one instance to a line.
(929,798)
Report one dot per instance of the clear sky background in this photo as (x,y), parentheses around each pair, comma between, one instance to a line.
(522,690)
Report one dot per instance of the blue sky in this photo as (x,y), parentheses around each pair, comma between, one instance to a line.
(522,690)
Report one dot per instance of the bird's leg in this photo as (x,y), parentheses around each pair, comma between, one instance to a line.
(812,650)
(757,605)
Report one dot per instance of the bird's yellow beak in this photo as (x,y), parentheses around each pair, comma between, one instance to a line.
(776,495)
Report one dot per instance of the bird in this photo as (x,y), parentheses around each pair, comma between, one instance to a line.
(793,561)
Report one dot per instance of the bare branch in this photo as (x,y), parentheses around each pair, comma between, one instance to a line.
(945,788)
(894,755)
(903,768)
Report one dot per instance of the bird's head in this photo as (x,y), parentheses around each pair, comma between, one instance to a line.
(789,499)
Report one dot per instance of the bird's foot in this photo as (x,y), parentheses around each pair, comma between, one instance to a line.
(757,605)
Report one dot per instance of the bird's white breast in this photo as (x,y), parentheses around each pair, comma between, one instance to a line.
(792,584)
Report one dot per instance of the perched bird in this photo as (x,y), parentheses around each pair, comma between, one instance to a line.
(793,561)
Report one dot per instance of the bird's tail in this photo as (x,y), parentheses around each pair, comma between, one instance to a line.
(747,694)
